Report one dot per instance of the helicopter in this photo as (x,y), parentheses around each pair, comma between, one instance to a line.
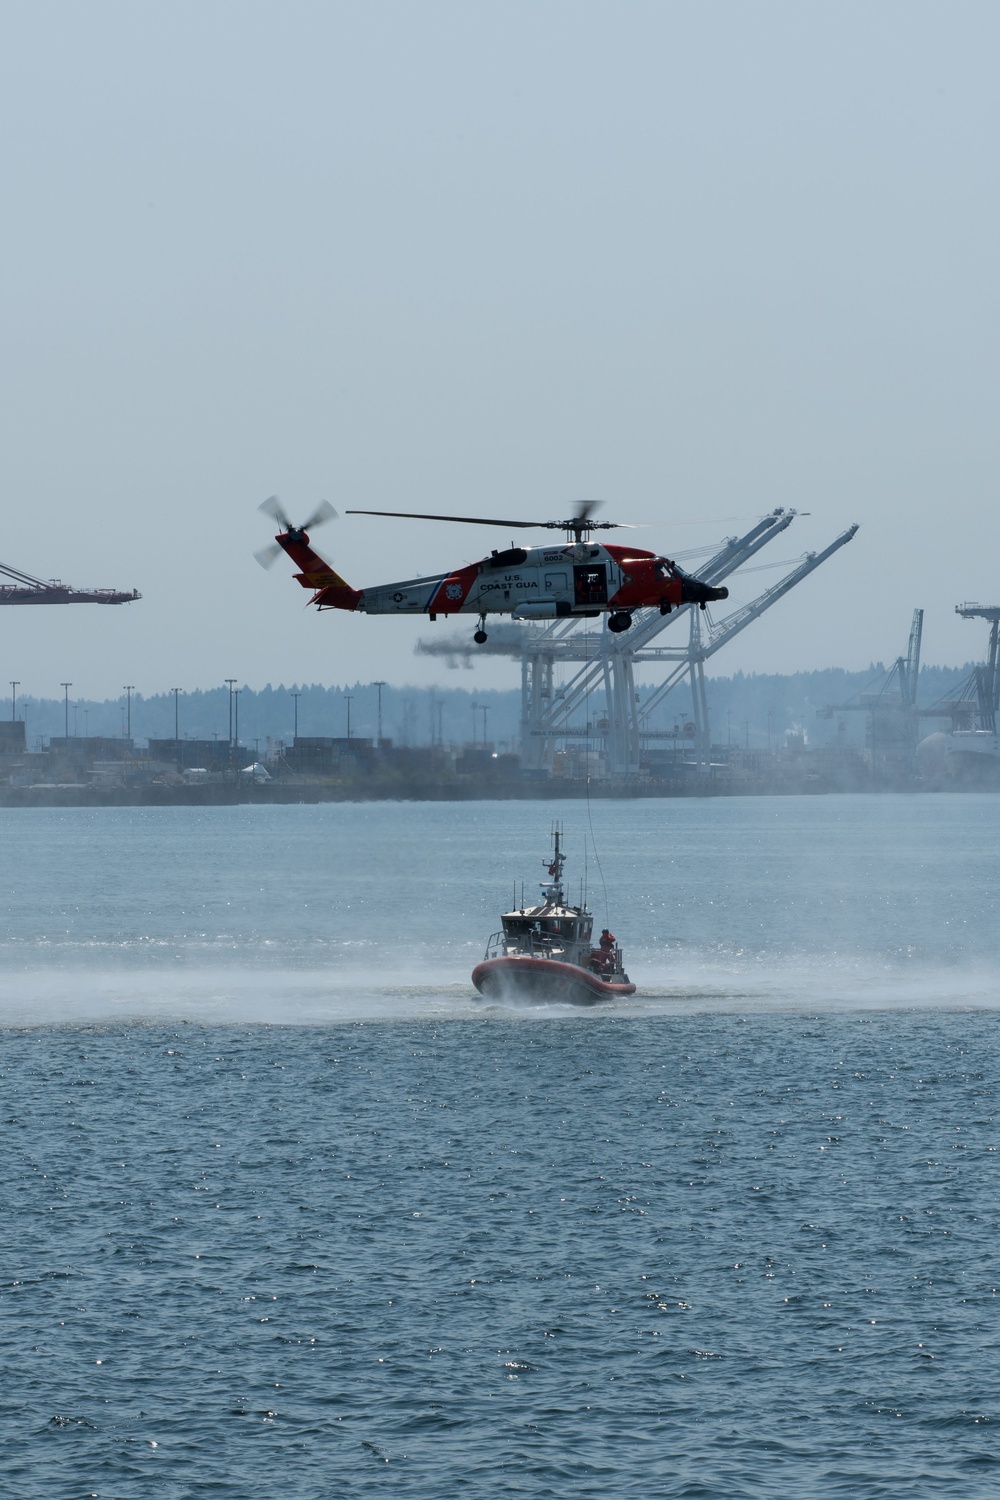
(579,578)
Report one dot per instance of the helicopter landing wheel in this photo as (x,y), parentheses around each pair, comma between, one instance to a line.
(619,621)
(480,636)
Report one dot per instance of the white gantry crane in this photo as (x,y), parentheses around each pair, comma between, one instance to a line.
(597,661)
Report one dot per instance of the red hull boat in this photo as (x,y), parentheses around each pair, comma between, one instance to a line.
(546,952)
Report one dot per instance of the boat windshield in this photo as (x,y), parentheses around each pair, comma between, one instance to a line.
(538,927)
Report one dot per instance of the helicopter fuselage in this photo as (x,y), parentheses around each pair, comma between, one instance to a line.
(529,583)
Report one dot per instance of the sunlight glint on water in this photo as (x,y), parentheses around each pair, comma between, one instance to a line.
(282,1195)
(306,914)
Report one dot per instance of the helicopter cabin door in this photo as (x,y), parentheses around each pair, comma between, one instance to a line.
(590,583)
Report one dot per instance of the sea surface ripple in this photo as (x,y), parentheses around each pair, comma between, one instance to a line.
(721,1257)
(285,1208)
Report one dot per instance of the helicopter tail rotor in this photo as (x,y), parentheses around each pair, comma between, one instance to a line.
(273,507)
(324,512)
(268,556)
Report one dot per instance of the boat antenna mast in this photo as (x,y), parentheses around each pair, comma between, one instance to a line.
(552,888)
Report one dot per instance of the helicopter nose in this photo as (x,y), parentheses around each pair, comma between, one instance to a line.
(696,592)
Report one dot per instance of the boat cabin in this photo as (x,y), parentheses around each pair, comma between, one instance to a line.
(548,930)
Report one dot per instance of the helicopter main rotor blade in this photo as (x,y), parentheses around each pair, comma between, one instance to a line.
(581,523)
(415,515)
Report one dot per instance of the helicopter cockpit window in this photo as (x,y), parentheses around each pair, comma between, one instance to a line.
(666,569)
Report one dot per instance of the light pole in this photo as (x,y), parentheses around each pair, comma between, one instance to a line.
(13,700)
(485,708)
(347,698)
(128,689)
(66,687)
(232,683)
(236,699)
(473,706)
(296,696)
(380,686)
(177,735)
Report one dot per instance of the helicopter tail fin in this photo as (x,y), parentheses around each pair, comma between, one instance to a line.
(330,590)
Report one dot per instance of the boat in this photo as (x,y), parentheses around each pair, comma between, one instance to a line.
(546,952)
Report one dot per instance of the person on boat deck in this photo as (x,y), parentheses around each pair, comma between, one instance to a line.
(604,956)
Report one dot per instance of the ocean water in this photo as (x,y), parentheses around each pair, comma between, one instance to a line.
(287,1209)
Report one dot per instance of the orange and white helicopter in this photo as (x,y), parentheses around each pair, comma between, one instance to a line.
(580,578)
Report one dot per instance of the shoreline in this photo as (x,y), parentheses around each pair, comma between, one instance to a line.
(304,793)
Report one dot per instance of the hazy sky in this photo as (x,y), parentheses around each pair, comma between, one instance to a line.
(696,259)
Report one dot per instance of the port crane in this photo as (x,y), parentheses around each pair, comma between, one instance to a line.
(986,678)
(894,717)
(977,705)
(23,588)
(599,662)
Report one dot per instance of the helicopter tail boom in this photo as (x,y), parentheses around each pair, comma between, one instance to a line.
(330,590)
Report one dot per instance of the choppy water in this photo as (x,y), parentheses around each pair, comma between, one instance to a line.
(285,1209)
